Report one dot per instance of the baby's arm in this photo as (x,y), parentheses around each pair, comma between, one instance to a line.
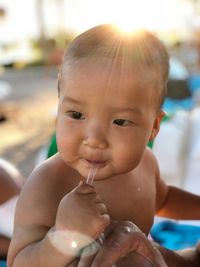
(37,244)
(173,202)
(179,204)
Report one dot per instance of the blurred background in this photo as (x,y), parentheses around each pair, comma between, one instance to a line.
(33,35)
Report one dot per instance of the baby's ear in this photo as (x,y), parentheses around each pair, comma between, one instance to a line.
(156,125)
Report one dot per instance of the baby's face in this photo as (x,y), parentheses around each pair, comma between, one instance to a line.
(105,118)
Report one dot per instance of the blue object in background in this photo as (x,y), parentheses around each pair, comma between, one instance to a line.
(3,264)
(174,235)
(172,105)
(194,83)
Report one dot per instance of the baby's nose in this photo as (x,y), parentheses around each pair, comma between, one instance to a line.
(95,137)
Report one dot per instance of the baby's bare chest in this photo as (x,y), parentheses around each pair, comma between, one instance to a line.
(132,201)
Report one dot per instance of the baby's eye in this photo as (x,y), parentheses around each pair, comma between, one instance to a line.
(121,122)
(76,115)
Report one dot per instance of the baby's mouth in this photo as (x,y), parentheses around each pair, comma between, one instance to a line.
(96,163)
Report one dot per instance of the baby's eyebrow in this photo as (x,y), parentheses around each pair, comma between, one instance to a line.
(127,109)
(72,100)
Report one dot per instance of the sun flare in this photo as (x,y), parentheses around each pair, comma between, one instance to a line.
(130,15)
(134,15)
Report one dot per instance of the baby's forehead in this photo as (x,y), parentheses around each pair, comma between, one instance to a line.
(99,74)
(111,70)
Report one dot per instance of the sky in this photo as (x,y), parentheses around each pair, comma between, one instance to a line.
(79,15)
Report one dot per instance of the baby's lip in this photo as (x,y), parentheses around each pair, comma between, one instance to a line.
(96,162)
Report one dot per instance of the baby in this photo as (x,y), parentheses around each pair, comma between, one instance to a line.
(111,87)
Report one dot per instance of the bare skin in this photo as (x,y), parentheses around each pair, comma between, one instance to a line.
(141,251)
(57,216)
(35,222)
(9,188)
(123,238)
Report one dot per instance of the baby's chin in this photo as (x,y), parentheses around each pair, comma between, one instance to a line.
(99,172)
(92,175)
(105,175)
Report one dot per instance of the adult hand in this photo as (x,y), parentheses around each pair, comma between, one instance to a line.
(125,245)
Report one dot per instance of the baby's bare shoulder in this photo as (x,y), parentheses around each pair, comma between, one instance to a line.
(38,202)
(150,160)
(42,192)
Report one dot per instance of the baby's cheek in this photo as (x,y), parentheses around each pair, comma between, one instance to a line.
(129,157)
(124,159)
(64,145)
